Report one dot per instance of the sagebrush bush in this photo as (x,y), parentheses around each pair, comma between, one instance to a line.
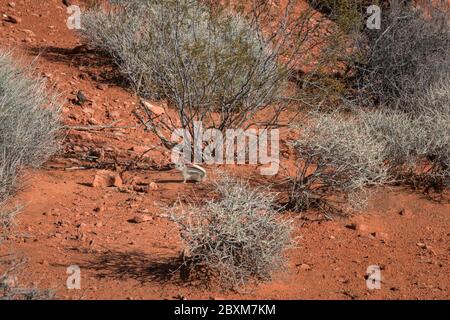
(408,54)
(201,62)
(338,161)
(235,238)
(29,123)
(417,143)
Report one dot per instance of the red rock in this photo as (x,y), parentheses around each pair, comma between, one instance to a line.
(12,19)
(305,267)
(105,178)
(142,188)
(157,110)
(357,226)
(142,218)
(153,186)
(380,235)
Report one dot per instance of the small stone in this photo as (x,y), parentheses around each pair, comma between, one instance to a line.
(88,111)
(11,281)
(102,86)
(98,209)
(153,186)
(118,183)
(12,19)
(380,235)
(143,188)
(141,218)
(351,226)
(359,226)
(421,245)
(114,115)
(140,149)
(104,178)
(157,110)
(125,190)
(305,267)
(93,122)
(29,32)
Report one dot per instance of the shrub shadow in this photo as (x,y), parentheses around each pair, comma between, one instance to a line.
(97,64)
(136,265)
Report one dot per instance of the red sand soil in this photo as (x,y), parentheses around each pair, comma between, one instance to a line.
(68,222)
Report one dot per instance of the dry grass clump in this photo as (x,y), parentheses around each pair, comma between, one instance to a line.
(235,238)
(29,123)
(338,161)
(417,143)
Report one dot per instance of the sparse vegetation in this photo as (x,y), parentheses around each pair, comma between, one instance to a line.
(236,238)
(6,221)
(338,160)
(29,123)
(201,61)
(417,143)
(9,290)
(410,52)
(29,130)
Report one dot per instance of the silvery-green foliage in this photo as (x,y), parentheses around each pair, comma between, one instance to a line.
(338,160)
(236,237)
(200,61)
(29,123)
(417,143)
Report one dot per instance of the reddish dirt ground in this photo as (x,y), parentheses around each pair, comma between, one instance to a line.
(66,221)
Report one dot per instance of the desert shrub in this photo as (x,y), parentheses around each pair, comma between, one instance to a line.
(348,14)
(29,123)
(199,60)
(338,161)
(417,143)
(7,221)
(235,238)
(408,54)
(9,289)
